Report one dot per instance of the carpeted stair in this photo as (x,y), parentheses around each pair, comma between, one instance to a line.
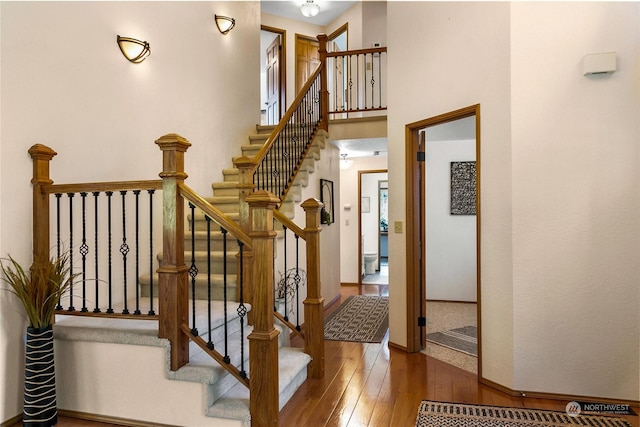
(223,397)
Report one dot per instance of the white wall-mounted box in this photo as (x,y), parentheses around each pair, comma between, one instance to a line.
(599,63)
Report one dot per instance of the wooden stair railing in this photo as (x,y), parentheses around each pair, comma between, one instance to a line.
(173,316)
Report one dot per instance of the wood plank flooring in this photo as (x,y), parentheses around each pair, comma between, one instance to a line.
(372,385)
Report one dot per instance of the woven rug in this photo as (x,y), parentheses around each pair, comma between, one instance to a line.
(440,414)
(359,318)
(463,339)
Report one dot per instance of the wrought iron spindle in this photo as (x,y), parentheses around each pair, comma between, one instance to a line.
(84,250)
(193,271)
(225,299)
(297,281)
(58,240)
(151,312)
(284,275)
(70,196)
(96,308)
(380,78)
(124,249)
(109,246)
(208,220)
(136,193)
(242,310)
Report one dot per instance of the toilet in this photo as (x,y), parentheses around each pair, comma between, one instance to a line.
(370,259)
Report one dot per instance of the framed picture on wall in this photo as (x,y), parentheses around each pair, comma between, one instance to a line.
(326,197)
(463,188)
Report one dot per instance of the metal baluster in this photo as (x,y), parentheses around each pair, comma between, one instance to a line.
(58,196)
(70,196)
(380,77)
(109,264)
(297,280)
(84,250)
(151,312)
(124,249)
(350,84)
(209,343)
(96,308)
(137,244)
(373,81)
(358,80)
(193,271)
(284,275)
(225,300)
(242,310)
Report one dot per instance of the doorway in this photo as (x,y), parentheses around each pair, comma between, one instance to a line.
(373,194)
(443,175)
(272,75)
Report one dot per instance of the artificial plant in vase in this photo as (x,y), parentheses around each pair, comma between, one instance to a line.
(39,291)
(290,282)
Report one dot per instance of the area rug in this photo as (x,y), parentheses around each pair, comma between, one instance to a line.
(441,414)
(463,339)
(360,318)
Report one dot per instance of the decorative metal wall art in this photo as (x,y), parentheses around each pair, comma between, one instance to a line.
(463,188)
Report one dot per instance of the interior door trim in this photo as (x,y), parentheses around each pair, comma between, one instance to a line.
(415,231)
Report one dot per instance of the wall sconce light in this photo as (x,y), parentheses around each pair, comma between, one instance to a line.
(224,23)
(309,9)
(134,50)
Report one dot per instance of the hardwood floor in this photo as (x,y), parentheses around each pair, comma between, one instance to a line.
(372,385)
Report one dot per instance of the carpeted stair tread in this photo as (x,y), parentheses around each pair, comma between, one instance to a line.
(292,372)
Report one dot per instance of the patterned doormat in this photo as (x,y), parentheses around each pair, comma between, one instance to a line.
(360,318)
(440,414)
(463,339)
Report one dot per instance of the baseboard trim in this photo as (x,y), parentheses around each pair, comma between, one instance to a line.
(349,284)
(449,300)
(109,420)
(555,396)
(12,421)
(398,347)
(332,302)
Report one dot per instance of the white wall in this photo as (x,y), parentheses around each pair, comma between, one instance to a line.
(559,180)
(349,238)
(451,239)
(65,84)
(576,175)
(462,61)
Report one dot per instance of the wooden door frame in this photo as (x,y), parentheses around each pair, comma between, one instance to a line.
(416,249)
(360,249)
(282,64)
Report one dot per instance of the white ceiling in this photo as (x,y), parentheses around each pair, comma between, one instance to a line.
(329,10)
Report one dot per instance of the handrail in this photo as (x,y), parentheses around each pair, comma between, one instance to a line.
(287,116)
(216,214)
(286,221)
(90,187)
(357,51)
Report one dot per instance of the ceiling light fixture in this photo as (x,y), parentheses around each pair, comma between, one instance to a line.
(224,23)
(309,9)
(134,50)
(344,163)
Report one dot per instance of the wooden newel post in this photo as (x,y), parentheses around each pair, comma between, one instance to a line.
(173,290)
(314,303)
(263,340)
(324,87)
(246,167)
(41,156)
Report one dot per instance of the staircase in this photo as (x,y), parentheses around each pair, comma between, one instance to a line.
(201,392)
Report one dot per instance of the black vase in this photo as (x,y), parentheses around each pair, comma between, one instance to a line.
(40,409)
